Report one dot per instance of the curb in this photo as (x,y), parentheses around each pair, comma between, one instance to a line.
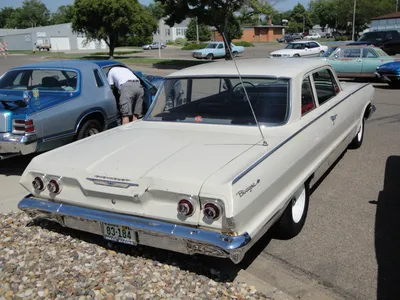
(261,286)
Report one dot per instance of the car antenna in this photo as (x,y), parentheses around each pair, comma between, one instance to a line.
(245,91)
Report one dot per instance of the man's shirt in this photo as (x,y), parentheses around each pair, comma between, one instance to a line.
(119,75)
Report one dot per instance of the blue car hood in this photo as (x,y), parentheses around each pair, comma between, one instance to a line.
(392,66)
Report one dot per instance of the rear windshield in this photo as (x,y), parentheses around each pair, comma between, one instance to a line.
(221,101)
(51,80)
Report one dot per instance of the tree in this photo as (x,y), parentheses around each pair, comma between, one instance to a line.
(204,32)
(109,20)
(32,13)
(157,10)
(64,14)
(5,14)
(299,18)
(216,13)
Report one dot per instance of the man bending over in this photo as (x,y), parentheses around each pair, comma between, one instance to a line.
(131,91)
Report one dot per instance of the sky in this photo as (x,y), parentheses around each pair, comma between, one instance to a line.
(52,5)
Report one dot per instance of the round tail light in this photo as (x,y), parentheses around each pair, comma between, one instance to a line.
(212,211)
(185,208)
(38,184)
(54,187)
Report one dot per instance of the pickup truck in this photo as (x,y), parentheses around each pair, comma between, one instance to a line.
(387,40)
(216,50)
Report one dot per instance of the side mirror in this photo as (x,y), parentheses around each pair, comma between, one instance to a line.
(181,92)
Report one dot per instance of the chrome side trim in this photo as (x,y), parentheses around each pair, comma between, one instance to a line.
(57,137)
(178,238)
(265,156)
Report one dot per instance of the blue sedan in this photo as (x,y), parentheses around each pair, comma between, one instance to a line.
(390,73)
(50,104)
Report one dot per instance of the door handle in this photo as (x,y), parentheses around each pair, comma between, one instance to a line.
(333,118)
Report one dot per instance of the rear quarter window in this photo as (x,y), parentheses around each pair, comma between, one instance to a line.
(45,80)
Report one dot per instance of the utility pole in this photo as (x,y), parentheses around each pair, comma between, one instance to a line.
(354,18)
(197,31)
(304,22)
(397,5)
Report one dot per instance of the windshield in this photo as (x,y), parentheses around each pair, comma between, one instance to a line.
(372,36)
(221,101)
(295,46)
(328,52)
(28,79)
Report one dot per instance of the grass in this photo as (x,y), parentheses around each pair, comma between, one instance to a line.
(118,52)
(53,53)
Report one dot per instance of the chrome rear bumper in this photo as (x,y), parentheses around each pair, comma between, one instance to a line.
(14,144)
(149,232)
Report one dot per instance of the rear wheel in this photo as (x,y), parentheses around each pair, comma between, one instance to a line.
(296,55)
(294,217)
(89,128)
(234,54)
(322,52)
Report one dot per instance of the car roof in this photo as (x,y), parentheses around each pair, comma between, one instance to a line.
(288,68)
(69,63)
(301,42)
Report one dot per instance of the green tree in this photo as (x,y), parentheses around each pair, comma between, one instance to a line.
(204,32)
(64,14)
(299,18)
(109,20)
(157,10)
(5,15)
(216,13)
(31,13)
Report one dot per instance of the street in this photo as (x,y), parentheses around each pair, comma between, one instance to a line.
(351,238)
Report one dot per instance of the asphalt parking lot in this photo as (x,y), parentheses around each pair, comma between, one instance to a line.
(352,235)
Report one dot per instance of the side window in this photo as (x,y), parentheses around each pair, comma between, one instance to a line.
(220,46)
(313,45)
(351,53)
(307,97)
(325,85)
(198,91)
(99,81)
(53,80)
(369,53)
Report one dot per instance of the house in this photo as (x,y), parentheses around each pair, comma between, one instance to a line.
(317,29)
(61,38)
(386,22)
(257,33)
(167,34)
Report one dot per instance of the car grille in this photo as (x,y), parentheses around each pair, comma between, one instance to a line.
(276,55)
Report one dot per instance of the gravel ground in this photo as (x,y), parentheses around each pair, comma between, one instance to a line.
(43,260)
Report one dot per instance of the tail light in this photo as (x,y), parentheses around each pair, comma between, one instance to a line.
(38,184)
(54,186)
(185,208)
(212,211)
(23,126)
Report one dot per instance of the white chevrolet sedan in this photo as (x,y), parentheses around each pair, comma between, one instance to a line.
(300,48)
(216,161)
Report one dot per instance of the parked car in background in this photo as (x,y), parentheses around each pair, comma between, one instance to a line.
(389,73)
(286,39)
(357,61)
(300,48)
(154,45)
(202,176)
(49,104)
(43,44)
(387,40)
(216,50)
(313,36)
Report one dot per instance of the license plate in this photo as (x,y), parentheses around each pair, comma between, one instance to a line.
(121,234)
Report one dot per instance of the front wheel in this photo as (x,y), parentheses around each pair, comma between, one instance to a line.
(294,217)
(394,84)
(358,139)
(89,128)
(210,56)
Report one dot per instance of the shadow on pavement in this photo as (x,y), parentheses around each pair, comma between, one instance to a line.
(16,165)
(387,232)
